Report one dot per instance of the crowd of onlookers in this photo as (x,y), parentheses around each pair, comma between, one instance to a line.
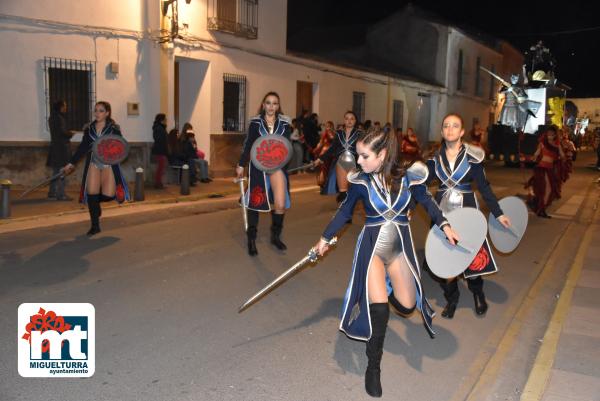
(311,139)
(175,149)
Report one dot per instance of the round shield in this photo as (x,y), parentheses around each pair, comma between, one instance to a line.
(506,239)
(447,261)
(271,152)
(347,160)
(110,149)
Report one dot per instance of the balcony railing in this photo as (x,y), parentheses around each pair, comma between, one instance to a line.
(238,17)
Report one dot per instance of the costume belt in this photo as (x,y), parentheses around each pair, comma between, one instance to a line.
(382,219)
(464,188)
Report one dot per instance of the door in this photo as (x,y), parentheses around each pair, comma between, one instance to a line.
(304,97)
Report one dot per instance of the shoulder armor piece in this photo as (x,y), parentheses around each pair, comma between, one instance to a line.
(356,176)
(475,153)
(285,118)
(417,173)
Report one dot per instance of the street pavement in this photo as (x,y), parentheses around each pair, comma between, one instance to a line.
(166,280)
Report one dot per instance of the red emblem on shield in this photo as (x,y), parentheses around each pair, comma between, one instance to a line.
(481,260)
(272,153)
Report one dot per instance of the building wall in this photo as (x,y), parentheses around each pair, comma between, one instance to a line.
(590,107)
(24,47)
(465,101)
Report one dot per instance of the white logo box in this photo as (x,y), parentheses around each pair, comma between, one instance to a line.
(78,363)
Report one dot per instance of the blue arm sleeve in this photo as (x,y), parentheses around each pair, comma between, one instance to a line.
(344,213)
(486,190)
(251,136)
(422,195)
(84,147)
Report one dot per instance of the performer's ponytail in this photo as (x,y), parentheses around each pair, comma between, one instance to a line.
(392,167)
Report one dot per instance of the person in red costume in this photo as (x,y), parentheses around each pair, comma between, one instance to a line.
(545,181)
(410,148)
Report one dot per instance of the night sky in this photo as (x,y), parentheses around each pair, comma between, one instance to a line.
(571,32)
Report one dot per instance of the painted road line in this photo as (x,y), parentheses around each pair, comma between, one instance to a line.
(570,207)
(489,360)
(540,373)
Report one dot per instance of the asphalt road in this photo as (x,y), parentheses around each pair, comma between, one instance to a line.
(166,286)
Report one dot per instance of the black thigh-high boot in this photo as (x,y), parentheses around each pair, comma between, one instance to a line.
(95,211)
(251,232)
(476,286)
(451,293)
(399,307)
(380,314)
(276,228)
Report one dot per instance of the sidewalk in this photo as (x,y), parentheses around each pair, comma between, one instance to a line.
(36,205)
(567,367)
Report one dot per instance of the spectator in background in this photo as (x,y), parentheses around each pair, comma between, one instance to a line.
(172,141)
(367,125)
(410,148)
(160,149)
(387,128)
(187,152)
(60,149)
(298,149)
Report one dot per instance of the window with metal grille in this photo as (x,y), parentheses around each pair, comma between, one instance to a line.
(73,81)
(358,105)
(234,102)
(478,86)
(459,71)
(239,17)
(398,117)
(492,84)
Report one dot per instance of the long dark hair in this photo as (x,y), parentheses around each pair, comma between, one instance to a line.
(261,111)
(160,117)
(57,105)
(393,168)
(107,107)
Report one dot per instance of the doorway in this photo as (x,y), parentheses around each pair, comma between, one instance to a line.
(304,97)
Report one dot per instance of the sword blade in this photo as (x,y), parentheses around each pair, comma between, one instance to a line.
(41,184)
(240,181)
(505,83)
(304,167)
(275,283)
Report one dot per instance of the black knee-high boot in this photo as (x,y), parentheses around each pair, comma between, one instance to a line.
(475,284)
(95,211)
(451,293)
(341,196)
(251,232)
(399,307)
(276,228)
(380,314)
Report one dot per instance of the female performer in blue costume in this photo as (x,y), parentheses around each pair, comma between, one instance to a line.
(101,182)
(456,165)
(343,153)
(267,192)
(385,267)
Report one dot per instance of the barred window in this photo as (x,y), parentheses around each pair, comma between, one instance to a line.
(398,117)
(459,71)
(234,102)
(478,86)
(239,17)
(73,81)
(358,105)
(492,84)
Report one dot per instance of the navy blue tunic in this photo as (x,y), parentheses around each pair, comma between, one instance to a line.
(259,195)
(468,169)
(356,320)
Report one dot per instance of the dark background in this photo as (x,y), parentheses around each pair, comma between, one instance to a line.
(571,31)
